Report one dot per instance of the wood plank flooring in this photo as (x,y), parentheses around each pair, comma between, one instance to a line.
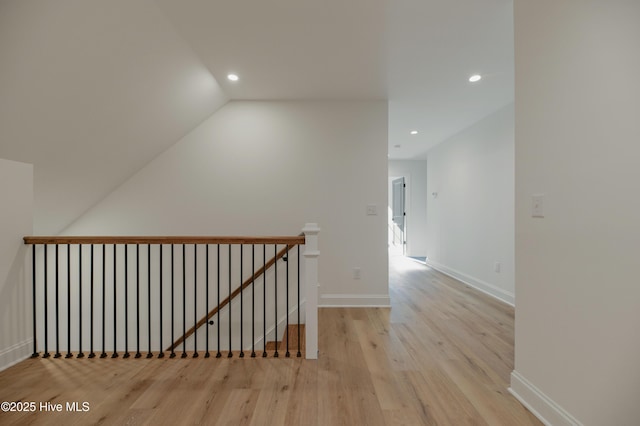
(441,355)
(293,330)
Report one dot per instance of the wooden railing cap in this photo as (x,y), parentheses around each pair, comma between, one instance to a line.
(290,240)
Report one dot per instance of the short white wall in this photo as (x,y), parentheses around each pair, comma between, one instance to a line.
(577,133)
(267,168)
(16,221)
(470,223)
(415,173)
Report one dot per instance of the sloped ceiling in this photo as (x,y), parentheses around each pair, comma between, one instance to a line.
(90,91)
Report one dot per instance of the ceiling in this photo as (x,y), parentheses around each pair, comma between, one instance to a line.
(418,54)
(92,91)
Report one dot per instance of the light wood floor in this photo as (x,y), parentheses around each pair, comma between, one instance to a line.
(441,355)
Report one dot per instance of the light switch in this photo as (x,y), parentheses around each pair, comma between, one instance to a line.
(537,205)
(372,210)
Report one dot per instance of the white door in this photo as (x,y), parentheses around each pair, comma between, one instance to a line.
(397,210)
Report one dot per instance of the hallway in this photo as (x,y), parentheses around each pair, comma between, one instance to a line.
(441,356)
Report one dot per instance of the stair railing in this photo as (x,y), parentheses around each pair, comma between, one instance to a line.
(134,295)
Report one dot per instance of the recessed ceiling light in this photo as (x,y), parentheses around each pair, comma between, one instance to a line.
(475,77)
(233,77)
(414,132)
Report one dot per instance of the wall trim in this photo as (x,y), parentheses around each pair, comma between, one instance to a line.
(483,286)
(543,407)
(15,354)
(354,301)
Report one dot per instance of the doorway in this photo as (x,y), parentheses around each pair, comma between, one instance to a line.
(397,217)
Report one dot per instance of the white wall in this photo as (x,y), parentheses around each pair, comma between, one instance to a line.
(267,168)
(16,221)
(470,223)
(415,174)
(577,134)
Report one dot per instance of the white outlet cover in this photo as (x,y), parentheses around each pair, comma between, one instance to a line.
(372,210)
(356,273)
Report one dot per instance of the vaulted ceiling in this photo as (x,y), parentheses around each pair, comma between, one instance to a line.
(92,91)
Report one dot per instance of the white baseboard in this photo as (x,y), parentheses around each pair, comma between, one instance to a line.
(543,407)
(354,301)
(16,353)
(483,286)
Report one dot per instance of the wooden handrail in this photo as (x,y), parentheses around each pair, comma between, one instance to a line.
(300,239)
(227,300)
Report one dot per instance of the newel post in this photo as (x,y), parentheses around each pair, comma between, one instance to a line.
(311,254)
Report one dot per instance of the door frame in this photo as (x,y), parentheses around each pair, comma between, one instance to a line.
(406,208)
